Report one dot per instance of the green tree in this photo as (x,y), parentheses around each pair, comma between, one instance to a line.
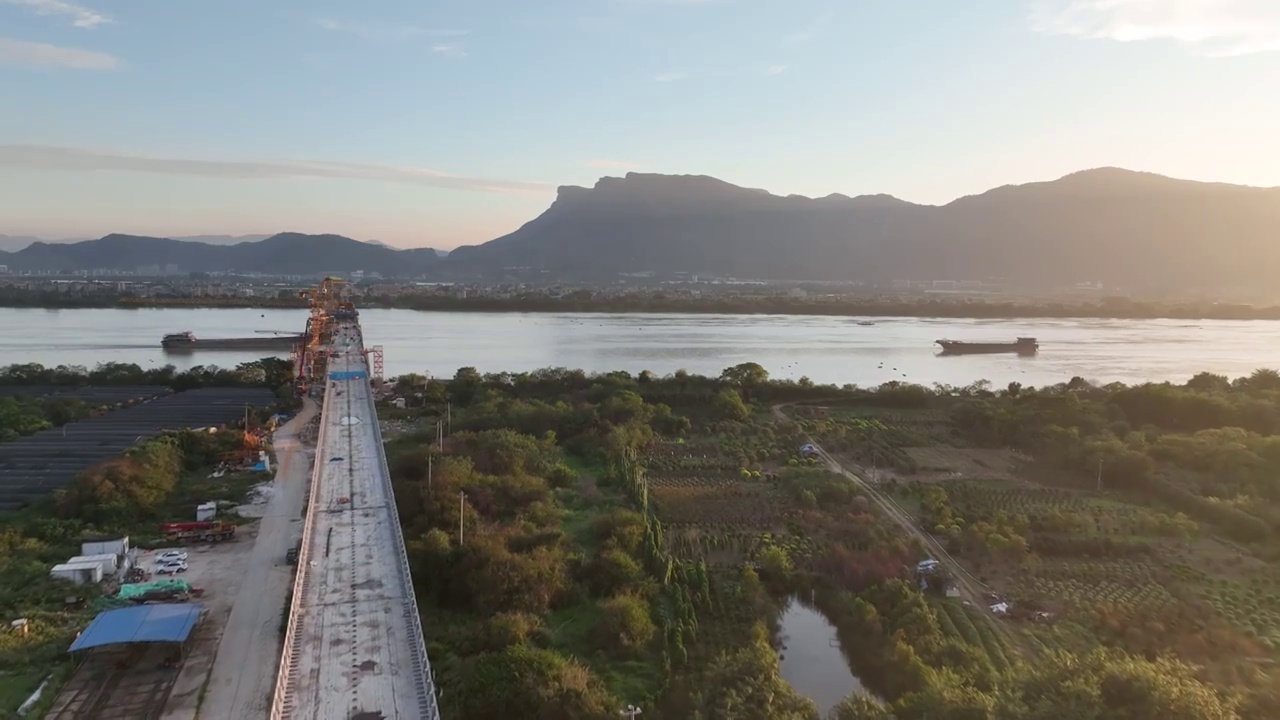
(746,377)
(858,706)
(747,684)
(524,682)
(728,405)
(625,624)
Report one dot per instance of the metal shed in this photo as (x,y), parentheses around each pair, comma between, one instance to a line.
(171,623)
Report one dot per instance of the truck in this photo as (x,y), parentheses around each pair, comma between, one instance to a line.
(201,531)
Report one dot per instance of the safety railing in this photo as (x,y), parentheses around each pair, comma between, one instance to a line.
(281,702)
(427,699)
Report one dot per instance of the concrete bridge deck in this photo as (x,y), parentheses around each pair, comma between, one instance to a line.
(353,647)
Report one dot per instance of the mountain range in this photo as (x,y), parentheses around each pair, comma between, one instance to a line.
(1126,229)
(281,254)
(1123,228)
(14,243)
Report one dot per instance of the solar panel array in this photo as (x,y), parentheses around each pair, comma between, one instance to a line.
(38,464)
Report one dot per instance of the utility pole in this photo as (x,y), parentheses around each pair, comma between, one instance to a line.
(429,459)
(1099,474)
(448,415)
(462,511)
(631,712)
(440,435)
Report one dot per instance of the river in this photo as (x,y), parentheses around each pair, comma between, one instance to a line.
(826,349)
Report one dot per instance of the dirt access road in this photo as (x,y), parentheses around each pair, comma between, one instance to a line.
(970,589)
(244,671)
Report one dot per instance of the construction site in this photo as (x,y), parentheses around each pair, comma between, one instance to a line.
(203,641)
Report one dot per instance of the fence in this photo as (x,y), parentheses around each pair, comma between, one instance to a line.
(280,705)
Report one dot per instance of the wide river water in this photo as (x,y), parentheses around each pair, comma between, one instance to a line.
(826,349)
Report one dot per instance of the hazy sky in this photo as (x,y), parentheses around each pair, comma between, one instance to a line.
(452,121)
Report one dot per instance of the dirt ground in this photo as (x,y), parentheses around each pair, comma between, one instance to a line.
(248,651)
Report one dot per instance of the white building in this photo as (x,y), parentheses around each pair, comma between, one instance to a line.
(84,573)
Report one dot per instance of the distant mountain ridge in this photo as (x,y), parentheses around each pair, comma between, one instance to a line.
(281,254)
(1129,230)
(1122,227)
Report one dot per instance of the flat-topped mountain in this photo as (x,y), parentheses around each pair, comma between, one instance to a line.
(1121,227)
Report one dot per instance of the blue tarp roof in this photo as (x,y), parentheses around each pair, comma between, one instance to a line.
(144,623)
(348,375)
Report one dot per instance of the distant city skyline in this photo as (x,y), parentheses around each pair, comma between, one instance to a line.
(453,124)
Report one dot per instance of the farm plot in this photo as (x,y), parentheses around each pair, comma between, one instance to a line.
(939,462)
(872,436)
(1054,510)
(716,508)
(1251,605)
(741,504)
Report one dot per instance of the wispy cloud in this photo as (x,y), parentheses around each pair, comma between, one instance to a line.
(46,157)
(20,52)
(775,69)
(383,31)
(671,76)
(452,50)
(80,15)
(601,164)
(1216,28)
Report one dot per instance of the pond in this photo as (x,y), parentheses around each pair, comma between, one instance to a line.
(811,658)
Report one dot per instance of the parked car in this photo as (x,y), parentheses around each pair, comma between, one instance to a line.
(172,568)
(169,556)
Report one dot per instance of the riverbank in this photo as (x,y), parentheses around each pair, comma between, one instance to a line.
(960,308)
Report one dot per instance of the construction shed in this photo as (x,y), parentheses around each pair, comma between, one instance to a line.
(80,573)
(165,623)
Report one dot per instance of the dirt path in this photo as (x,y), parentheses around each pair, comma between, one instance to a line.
(244,671)
(970,589)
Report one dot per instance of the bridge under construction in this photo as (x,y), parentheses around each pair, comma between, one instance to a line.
(353,646)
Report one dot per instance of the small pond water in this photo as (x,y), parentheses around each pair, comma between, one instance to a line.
(811,657)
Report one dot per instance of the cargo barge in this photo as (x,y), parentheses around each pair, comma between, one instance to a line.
(1021,346)
(184,341)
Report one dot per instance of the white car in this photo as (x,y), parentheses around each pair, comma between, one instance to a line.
(170,556)
(172,568)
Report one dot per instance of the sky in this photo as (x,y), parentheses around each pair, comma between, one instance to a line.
(437,123)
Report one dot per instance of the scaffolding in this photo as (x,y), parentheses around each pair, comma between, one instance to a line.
(329,302)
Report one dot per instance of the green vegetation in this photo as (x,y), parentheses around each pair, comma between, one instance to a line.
(269,372)
(631,539)
(25,416)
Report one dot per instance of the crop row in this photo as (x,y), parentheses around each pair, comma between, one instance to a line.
(1082,594)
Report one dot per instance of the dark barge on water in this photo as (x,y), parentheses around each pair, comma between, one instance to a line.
(1021,346)
(186,341)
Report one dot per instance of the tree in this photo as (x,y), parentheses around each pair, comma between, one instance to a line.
(613,571)
(624,625)
(506,629)
(747,684)
(776,565)
(1108,685)
(728,405)
(524,682)
(746,377)
(858,706)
